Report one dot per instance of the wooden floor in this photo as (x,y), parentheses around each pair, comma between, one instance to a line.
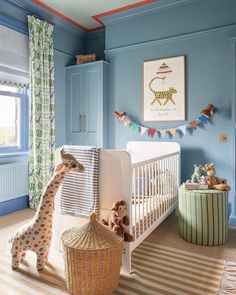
(166,234)
(10,223)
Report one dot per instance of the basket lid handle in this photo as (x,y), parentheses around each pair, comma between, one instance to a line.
(93,217)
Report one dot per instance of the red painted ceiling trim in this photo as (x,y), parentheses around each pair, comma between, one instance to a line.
(95,17)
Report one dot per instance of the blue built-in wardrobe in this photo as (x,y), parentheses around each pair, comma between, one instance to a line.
(87,104)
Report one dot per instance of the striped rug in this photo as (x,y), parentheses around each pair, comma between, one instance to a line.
(163,270)
(157,270)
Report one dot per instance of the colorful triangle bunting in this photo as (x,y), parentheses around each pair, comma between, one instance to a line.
(193,124)
(142,130)
(203,119)
(127,122)
(172,131)
(134,126)
(152,131)
(162,133)
(182,129)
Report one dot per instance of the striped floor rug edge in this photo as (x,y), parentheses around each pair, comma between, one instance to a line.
(157,269)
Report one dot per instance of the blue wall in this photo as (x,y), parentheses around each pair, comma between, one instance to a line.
(95,43)
(200,30)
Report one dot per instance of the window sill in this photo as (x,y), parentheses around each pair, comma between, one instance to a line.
(12,155)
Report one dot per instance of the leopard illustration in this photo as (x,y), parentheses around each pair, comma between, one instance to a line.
(159,95)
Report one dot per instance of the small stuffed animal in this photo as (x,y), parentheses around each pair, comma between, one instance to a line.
(213,181)
(118,220)
(198,175)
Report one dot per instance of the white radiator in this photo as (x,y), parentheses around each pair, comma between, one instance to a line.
(13,181)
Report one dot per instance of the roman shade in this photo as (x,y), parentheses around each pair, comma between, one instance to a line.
(14,57)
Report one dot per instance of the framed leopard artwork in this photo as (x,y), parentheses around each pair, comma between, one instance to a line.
(164,89)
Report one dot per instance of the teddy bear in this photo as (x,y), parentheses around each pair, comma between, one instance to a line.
(118,220)
(198,175)
(213,181)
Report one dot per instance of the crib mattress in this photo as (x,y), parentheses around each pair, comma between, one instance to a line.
(147,214)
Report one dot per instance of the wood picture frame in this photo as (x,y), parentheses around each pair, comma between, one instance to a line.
(164,89)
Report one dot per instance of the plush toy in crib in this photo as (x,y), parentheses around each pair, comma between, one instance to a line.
(36,235)
(118,220)
(198,175)
(213,181)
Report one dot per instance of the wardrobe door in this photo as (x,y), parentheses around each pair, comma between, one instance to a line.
(74,106)
(92,106)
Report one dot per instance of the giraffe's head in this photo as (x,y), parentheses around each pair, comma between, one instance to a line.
(70,163)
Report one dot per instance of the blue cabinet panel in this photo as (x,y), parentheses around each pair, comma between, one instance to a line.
(76,103)
(87,98)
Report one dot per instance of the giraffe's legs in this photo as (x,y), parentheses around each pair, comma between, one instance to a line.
(15,260)
(22,255)
(40,261)
(46,254)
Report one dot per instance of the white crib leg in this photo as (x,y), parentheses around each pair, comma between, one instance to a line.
(57,240)
(56,244)
(126,261)
(176,212)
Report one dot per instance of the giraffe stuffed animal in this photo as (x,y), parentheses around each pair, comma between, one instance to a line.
(36,235)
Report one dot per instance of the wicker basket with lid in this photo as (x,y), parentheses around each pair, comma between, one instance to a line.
(93,257)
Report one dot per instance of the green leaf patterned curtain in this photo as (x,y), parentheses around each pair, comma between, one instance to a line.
(42,107)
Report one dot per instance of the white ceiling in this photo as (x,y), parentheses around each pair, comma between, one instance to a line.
(81,11)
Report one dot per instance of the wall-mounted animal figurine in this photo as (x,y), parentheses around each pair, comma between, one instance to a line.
(37,234)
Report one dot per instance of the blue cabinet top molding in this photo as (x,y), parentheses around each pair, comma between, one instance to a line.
(94,63)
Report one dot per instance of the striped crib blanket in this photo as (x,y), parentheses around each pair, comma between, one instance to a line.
(79,191)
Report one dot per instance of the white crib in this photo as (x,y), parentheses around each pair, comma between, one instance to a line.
(146,176)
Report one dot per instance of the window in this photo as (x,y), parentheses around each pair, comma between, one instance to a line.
(14,117)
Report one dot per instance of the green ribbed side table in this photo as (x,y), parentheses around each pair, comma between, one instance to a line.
(203,216)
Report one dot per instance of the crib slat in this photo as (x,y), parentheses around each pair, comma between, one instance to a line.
(152,184)
(165,172)
(146,202)
(143,228)
(139,202)
(154,191)
(134,200)
(159,186)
